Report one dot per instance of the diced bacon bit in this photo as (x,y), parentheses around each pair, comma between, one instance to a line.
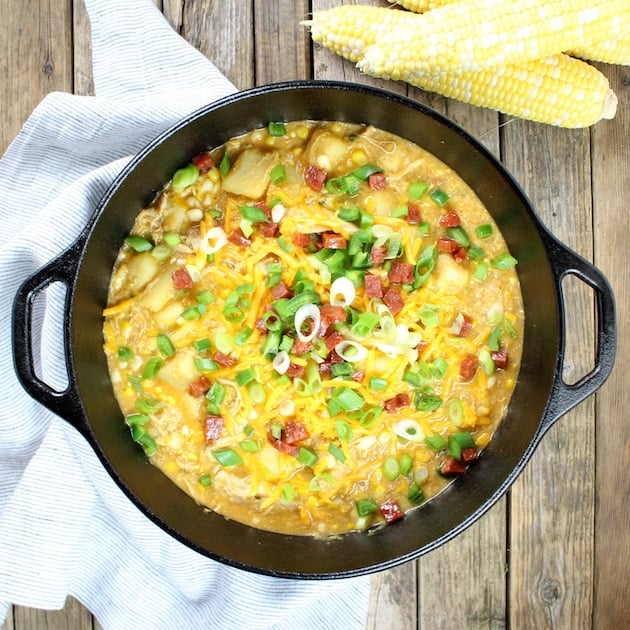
(301,347)
(500,358)
(315,177)
(421,347)
(377,254)
(203,162)
(331,240)
(295,371)
(331,359)
(466,326)
(401,273)
(397,403)
(450,219)
(468,367)
(330,315)
(447,245)
(224,360)
(377,181)
(182,279)
(357,376)
(460,254)
(268,229)
(260,325)
(213,425)
(413,214)
(238,238)
(302,240)
(264,207)
(373,286)
(393,300)
(452,466)
(333,339)
(468,455)
(295,432)
(199,387)
(281,290)
(283,447)
(391,511)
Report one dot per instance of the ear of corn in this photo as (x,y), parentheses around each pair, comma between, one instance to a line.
(475,34)
(557,90)
(420,6)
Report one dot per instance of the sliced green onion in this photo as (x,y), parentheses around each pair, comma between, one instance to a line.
(494,341)
(464,439)
(172,239)
(439,368)
(227,457)
(151,368)
(481,271)
(424,228)
(242,336)
(353,213)
(365,507)
(378,384)
(148,405)
(391,468)
(363,172)
(370,416)
(459,235)
(202,345)
(288,492)
(161,252)
(351,351)
(271,346)
(284,245)
(216,394)
(205,364)
(185,177)
(409,430)
(192,312)
(406,463)
(278,174)
(429,316)
(456,411)
(485,361)
(504,261)
(427,402)
(277,129)
(205,480)
(414,494)
(253,214)
(343,430)
(454,448)
(306,456)
(425,266)
(417,190)
(439,197)
(250,446)
(476,253)
(139,243)
(435,442)
(246,376)
(148,444)
(225,164)
(484,231)
(319,482)
(233,314)
(135,382)
(136,419)
(165,345)
(125,354)
(205,297)
(399,211)
(349,399)
(256,392)
(337,452)
(341,369)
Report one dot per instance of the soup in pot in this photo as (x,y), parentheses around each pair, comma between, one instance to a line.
(314,327)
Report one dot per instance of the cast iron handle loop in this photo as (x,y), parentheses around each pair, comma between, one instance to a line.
(565,397)
(62,269)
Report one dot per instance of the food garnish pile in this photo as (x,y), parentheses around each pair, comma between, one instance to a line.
(526,58)
(314,327)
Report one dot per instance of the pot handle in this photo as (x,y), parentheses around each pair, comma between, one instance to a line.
(565,397)
(66,403)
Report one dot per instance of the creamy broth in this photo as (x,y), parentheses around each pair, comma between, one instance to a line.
(314,328)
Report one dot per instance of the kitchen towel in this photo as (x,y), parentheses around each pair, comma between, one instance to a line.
(65,526)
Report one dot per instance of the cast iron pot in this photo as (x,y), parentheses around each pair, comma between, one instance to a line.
(540,398)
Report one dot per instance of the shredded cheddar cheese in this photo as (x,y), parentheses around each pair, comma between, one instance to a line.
(284,403)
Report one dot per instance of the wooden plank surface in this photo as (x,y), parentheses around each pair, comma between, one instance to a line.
(553,553)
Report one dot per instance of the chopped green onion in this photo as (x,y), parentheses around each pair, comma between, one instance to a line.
(277,129)
(378,384)
(484,231)
(459,235)
(424,228)
(148,405)
(476,253)
(185,177)
(427,402)
(202,345)
(276,431)
(425,266)
(504,261)
(205,297)
(148,444)
(271,347)
(439,197)
(456,411)
(278,174)
(165,345)
(253,214)
(485,361)
(352,213)
(337,452)
(417,190)
(429,316)
(320,482)
(494,341)
(227,457)
(348,399)
(454,448)
(256,392)
(288,492)
(139,243)
(192,312)
(233,314)
(365,507)
(246,376)
(284,245)
(439,368)
(364,324)
(481,271)
(225,164)
(151,368)
(435,442)
(161,252)
(223,342)
(205,365)
(205,480)
(464,439)
(172,239)
(216,394)
(363,172)
(242,336)
(344,368)
(370,416)
(414,494)
(136,419)
(343,430)
(399,211)
(125,354)
(391,468)
(306,456)
(135,382)
(250,446)
(406,463)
